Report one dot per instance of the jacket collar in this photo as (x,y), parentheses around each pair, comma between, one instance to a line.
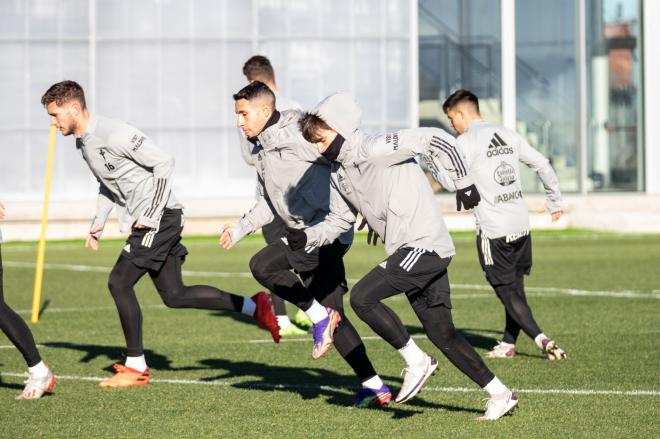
(92,122)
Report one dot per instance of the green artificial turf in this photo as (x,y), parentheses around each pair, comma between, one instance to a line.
(597,294)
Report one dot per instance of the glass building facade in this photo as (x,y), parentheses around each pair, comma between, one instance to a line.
(170,68)
(460,47)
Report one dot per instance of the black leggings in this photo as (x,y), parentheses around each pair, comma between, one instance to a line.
(170,286)
(16,329)
(366,297)
(272,232)
(518,313)
(327,284)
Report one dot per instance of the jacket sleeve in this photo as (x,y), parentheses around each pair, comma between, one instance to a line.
(260,215)
(540,164)
(133,144)
(340,219)
(441,149)
(440,174)
(436,145)
(104,204)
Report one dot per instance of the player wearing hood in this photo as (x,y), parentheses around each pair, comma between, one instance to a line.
(378,175)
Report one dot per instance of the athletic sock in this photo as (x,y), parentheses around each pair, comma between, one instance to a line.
(40,369)
(316,312)
(539,340)
(412,353)
(249,307)
(373,383)
(137,363)
(495,388)
(283,321)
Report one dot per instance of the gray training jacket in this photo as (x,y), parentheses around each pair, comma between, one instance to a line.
(380,177)
(493,156)
(132,171)
(295,183)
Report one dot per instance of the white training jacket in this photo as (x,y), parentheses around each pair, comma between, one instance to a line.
(493,154)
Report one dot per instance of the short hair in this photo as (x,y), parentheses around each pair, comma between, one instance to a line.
(255,90)
(309,124)
(458,97)
(258,67)
(63,92)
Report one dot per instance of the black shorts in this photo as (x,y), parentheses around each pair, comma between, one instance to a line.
(148,248)
(274,230)
(421,274)
(504,260)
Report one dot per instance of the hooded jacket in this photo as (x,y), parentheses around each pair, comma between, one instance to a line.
(379,176)
(295,182)
(493,156)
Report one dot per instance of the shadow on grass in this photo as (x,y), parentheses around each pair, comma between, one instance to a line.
(311,383)
(10,385)
(308,382)
(117,355)
(475,337)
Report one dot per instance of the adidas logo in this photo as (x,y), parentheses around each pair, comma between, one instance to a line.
(498,146)
(496,141)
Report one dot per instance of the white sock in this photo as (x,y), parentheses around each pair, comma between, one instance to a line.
(374,383)
(412,353)
(249,307)
(539,340)
(39,369)
(507,345)
(137,363)
(316,312)
(496,388)
(283,321)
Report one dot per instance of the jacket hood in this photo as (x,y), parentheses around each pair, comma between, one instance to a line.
(341,112)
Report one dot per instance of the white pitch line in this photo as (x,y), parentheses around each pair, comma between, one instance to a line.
(538,291)
(284,386)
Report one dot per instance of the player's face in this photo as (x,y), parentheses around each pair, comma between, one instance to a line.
(64,117)
(457,119)
(325,138)
(251,116)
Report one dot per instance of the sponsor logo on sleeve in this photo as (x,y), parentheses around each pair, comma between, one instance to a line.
(393,138)
(137,141)
(505,174)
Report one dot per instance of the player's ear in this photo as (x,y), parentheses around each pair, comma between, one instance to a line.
(75,109)
(266,111)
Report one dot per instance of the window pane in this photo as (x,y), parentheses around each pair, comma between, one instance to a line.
(614,67)
(546,81)
(459,47)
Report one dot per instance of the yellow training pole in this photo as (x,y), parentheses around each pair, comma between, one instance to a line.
(41,253)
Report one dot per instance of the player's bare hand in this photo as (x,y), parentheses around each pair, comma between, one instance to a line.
(2,211)
(92,242)
(225,238)
(140,226)
(556,215)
